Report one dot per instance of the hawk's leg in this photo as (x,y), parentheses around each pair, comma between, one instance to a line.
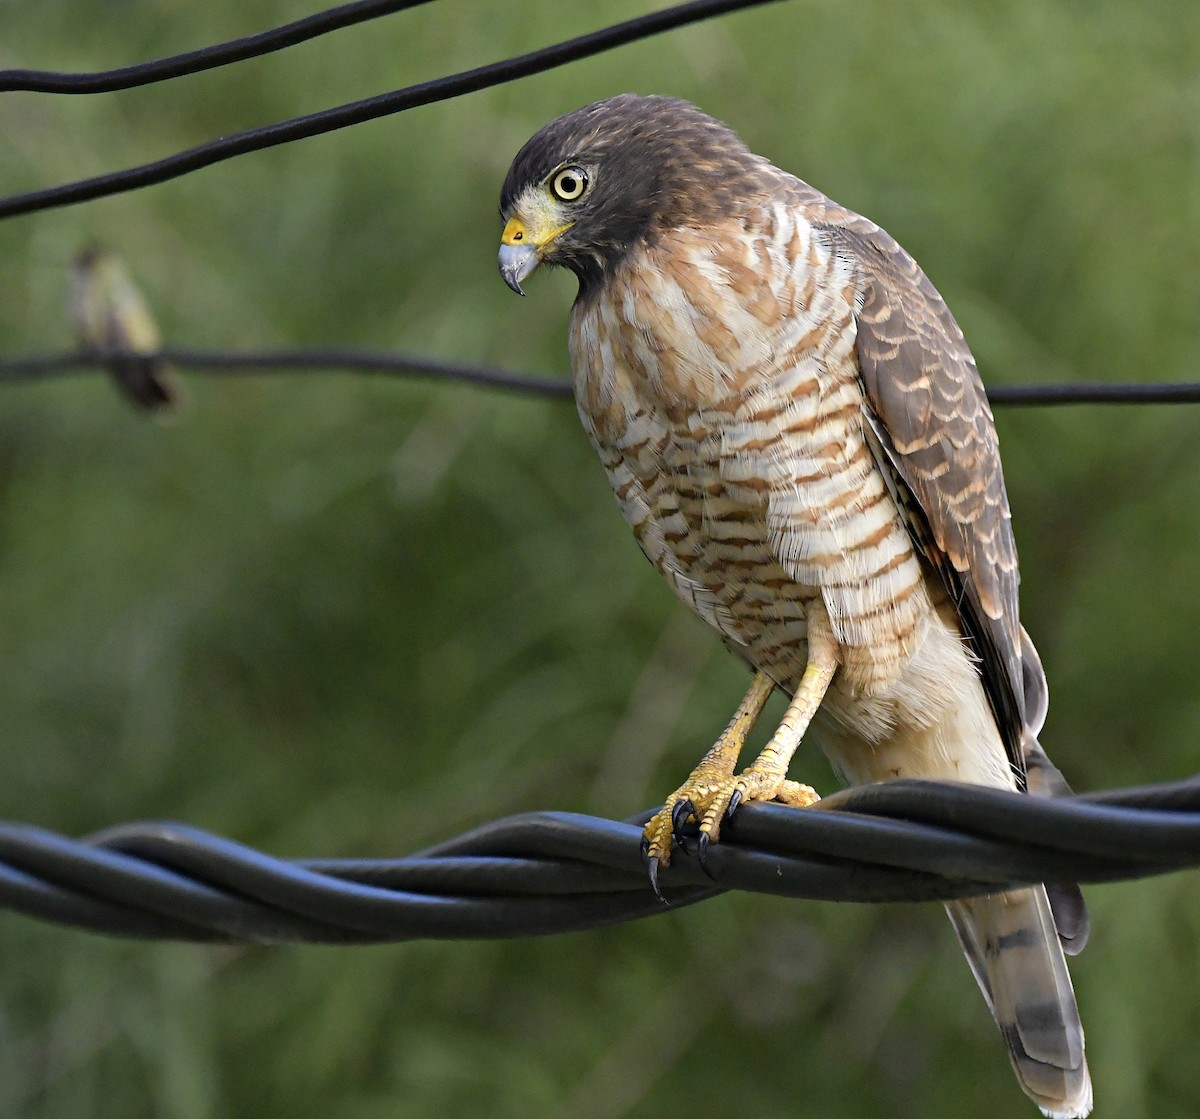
(707,779)
(712,790)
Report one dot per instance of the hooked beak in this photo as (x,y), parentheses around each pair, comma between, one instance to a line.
(517,262)
(521,251)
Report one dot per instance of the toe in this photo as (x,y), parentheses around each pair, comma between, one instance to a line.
(796,794)
(710,825)
(652,866)
(682,811)
(656,845)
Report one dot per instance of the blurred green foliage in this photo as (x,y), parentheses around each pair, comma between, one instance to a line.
(338,616)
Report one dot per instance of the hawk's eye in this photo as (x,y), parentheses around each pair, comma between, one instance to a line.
(569,183)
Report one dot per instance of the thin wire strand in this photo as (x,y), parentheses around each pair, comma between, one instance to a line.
(231,363)
(207,58)
(322,360)
(371,108)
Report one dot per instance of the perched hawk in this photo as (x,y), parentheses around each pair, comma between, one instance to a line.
(797,434)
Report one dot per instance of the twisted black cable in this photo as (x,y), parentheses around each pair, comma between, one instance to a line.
(325,359)
(371,108)
(207,58)
(553,872)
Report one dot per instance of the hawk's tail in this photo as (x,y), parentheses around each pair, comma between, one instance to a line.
(1013,949)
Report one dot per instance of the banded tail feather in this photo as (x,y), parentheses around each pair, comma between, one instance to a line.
(1012,945)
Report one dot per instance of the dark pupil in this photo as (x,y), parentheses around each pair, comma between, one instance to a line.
(568,184)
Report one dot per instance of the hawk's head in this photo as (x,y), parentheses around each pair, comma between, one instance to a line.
(592,184)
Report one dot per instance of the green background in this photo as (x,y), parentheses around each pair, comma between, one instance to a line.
(332,615)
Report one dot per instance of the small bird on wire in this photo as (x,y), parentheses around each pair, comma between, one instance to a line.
(796,432)
(111,318)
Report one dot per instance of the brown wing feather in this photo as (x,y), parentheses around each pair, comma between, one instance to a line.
(932,420)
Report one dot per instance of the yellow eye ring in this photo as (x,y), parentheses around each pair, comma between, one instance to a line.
(569,184)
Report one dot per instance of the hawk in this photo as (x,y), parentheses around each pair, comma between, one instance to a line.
(796,432)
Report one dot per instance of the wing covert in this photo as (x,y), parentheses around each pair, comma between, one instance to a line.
(930,417)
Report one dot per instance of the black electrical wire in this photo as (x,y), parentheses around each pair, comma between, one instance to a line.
(207,58)
(323,359)
(371,108)
(550,872)
(1097,392)
(327,358)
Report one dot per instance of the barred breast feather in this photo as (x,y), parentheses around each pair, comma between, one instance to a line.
(720,387)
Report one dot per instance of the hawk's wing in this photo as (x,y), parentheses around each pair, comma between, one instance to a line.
(930,416)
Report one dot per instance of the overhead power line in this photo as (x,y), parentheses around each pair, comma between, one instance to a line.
(371,108)
(550,872)
(207,58)
(1097,392)
(324,359)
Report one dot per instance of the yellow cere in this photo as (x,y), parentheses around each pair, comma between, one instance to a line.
(537,220)
(514,233)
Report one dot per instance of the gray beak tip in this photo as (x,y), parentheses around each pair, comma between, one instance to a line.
(517,262)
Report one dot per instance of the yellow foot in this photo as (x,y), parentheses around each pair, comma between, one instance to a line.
(710,797)
(713,792)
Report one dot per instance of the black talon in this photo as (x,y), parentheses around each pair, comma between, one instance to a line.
(702,854)
(645,846)
(734,802)
(652,871)
(680,811)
